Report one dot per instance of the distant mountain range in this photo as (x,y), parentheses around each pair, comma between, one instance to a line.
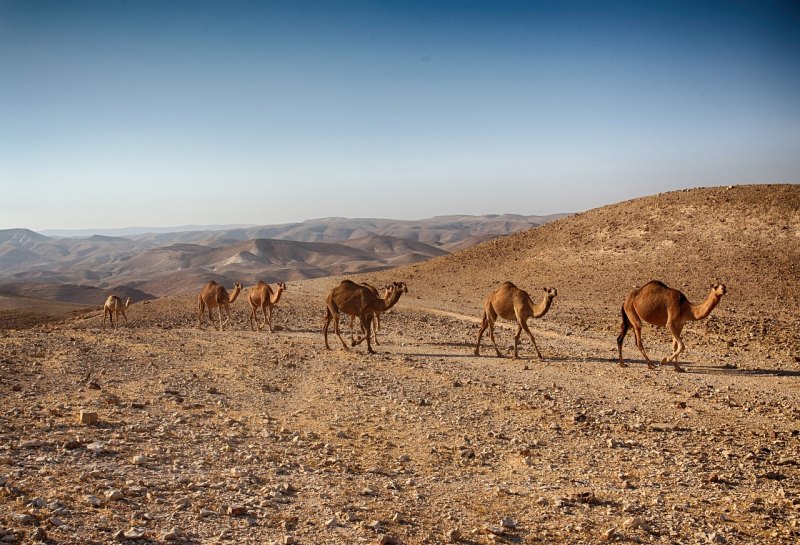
(86,266)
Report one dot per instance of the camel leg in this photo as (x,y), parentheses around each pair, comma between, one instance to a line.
(264,322)
(376,325)
(528,331)
(104,317)
(219,314)
(637,331)
(491,336)
(367,327)
(676,341)
(516,341)
(328,317)
(621,337)
(364,332)
(270,319)
(338,331)
(484,325)
(124,316)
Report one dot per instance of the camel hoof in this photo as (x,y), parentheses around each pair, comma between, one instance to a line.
(664,361)
(650,365)
(622,364)
(679,369)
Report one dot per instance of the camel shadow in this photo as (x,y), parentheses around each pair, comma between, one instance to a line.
(728,370)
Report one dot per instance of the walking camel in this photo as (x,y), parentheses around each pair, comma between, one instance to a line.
(261,296)
(114,305)
(514,304)
(357,300)
(660,305)
(215,295)
(376,323)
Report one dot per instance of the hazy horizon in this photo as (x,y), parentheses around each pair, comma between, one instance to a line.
(163,114)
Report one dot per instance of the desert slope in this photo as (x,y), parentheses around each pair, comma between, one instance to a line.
(745,236)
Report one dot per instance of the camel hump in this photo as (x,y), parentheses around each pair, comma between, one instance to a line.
(508,284)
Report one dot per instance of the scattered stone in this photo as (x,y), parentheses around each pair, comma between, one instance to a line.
(114,495)
(33,443)
(23,518)
(139,460)
(96,448)
(237,510)
(508,523)
(39,535)
(206,512)
(94,501)
(174,534)
(88,418)
(454,535)
(136,532)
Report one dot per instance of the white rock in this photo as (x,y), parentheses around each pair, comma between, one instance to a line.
(509,523)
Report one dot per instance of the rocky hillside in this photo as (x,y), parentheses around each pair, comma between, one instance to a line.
(745,236)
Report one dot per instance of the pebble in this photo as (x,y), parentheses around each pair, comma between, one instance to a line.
(509,523)
(114,494)
(174,534)
(135,533)
(94,501)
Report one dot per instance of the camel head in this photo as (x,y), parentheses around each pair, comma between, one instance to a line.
(281,285)
(237,286)
(127,302)
(401,287)
(551,292)
(719,289)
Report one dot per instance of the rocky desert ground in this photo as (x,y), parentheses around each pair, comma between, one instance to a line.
(245,436)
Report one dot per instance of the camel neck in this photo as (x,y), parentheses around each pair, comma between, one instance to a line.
(701,311)
(276,296)
(392,299)
(235,295)
(542,308)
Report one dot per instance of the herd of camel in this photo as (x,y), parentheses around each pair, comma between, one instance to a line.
(654,303)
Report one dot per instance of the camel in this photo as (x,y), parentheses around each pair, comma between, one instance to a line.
(112,306)
(660,305)
(214,295)
(262,296)
(514,304)
(357,300)
(376,323)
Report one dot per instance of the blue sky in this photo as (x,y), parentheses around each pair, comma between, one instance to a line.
(121,113)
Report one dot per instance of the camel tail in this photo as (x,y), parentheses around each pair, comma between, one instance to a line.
(623,330)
